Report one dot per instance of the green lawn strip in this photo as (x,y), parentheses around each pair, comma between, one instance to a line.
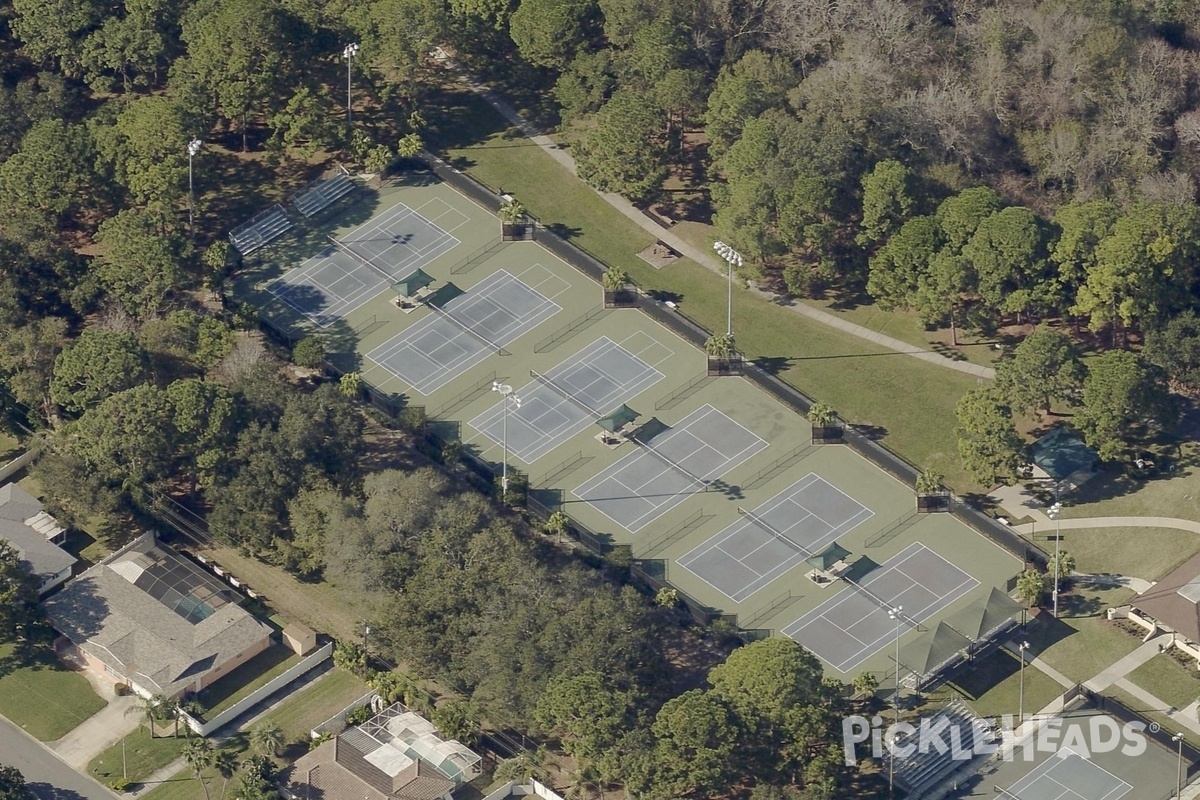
(9,448)
(1168,680)
(41,695)
(1148,553)
(1165,722)
(1113,493)
(143,756)
(909,403)
(315,703)
(1081,642)
(184,786)
(247,678)
(992,686)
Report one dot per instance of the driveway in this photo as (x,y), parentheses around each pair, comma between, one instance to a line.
(98,732)
(48,777)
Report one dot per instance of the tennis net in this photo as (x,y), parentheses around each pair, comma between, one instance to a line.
(649,448)
(467,328)
(360,258)
(542,379)
(884,604)
(771,529)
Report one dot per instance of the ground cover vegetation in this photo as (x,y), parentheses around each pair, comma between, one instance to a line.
(978,162)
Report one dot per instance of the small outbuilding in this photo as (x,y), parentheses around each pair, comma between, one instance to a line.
(300,638)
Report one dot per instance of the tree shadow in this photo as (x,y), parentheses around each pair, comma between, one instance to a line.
(46,791)
(773,365)
(564,232)
(664,296)
(875,433)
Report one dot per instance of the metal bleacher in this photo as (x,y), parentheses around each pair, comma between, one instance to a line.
(266,225)
(922,773)
(322,193)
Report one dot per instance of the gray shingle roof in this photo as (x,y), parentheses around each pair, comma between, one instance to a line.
(45,559)
(106,614)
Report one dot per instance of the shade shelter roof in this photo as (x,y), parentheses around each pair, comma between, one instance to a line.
(984,615)
(1061,453)
(933,649)
(412,284)
(827,557)
(618,419)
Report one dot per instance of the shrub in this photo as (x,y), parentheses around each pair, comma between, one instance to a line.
(309,352)
(359,715)
(121,690)
(119,784)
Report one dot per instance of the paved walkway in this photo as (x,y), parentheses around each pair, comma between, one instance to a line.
(700,256)
(1115,522)
(1153,703)
(1035,662)
(1123,666)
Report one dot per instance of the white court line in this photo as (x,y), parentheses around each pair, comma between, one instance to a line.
(449,209)
(1043,770)
(550,276)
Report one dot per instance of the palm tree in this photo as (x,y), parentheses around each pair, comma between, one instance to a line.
(224,761)
(154,709)
(266,738)
(614,279)
(720,346)
(524,766)
(558,524)
(821,415)
(198,753)
(512,212)
(929,481)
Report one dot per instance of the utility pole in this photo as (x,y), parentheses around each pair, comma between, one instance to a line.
(732,258)
(1053,513)
(193,148)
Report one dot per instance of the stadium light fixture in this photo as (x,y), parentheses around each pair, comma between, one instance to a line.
(350,51)
(193,149)
(506,392)
(734,259)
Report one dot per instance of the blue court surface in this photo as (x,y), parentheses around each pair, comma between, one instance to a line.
(346,275)
(473,325)
(661,473)
(749,554)
(854,624)
(584,388)
(1068,776)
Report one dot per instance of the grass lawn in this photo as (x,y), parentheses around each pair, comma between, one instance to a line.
(143,755)
(992,686)
(41,695)
(1081,642)
(315,703)
(256,672)
(1148,553)
(9,447)
(908,403)
(1163,720)
(1114,493)
(1168,680)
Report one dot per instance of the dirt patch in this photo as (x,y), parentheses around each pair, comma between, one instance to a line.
(659,255)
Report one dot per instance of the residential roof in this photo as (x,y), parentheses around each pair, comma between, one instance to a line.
(1061,453)
(154,617)
(332,773)
(1175,600)
(22,524)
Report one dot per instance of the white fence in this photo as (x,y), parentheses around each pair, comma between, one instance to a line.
(515,789)
(338,721)
(21,461)
(307,664)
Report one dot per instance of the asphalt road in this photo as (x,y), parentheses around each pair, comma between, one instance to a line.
(50,778)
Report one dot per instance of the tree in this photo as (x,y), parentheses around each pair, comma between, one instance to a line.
(13,786)
(929,481)
(129,435)
(758,81)
(512,212)
(27,355)
(55,30)
(558,523)
(309,352)
(307,124)
(266,738)
(198,753)
(95,365)
(614,279)
(1008,253)
(224,762)
(959,216)
(51,174)
(456,720)
(1061,567)
(697,738)
(140,265)
(1031,587)
(202,415)
(822,415)
(624,152)
(1121,395)
(397,37)
(145,150)
(549,32)
(1043,368)
(153,710)
(351,385)
(988,443)
(18,592)
(525,766)
(133,46)
(1175,347)
(1082,226)
(888,201)
(258,778)
(585,711)
(899,269)
(720,346)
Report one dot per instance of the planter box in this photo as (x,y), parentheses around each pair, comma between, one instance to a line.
(933,503)
(515,231)
(724,366)
(622,298)
(828,434)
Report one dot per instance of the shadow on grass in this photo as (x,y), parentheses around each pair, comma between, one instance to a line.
(980,676)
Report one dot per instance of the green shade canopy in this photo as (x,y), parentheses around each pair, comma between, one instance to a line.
(933,649)
(1061,453)
(827,557)
(984,615)
(618,419)
(412,284)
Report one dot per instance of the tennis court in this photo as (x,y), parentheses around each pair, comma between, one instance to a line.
(664,471)
(773,538)
(1068,776)
(351,271)
(577,392)
(852,626)
(451,340)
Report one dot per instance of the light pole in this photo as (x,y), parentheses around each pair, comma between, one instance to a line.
(1021,648)
(350,51)
(506,392)
(1053,512)
(894,615)
(1178,739)
(193,148)
(734,259)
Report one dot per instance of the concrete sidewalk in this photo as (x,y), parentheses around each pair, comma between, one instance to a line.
(1122,667)
(707,259)
(1115,522)
(1040,665)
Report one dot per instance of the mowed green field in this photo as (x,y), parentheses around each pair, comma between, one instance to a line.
(42,696)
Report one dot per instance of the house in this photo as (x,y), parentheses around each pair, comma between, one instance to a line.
(36,537)
(395,755)
(517,789)
(151,618)
(1174,602)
